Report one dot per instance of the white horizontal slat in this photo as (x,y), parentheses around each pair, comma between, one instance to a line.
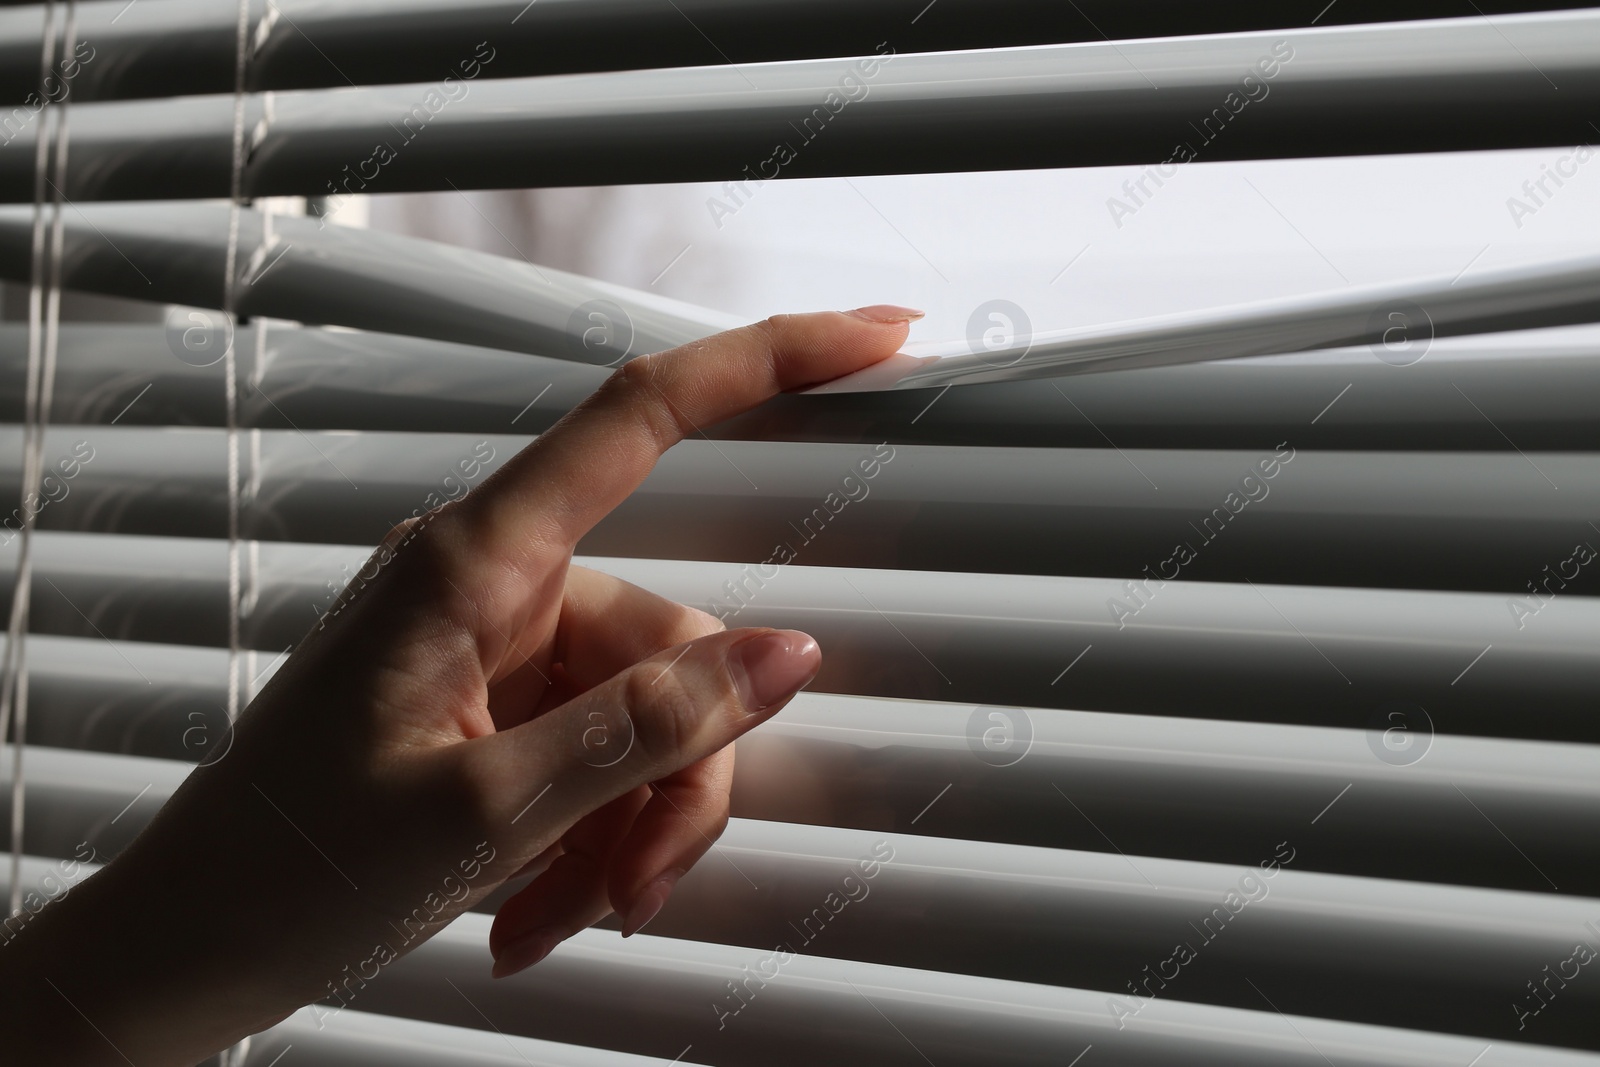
(317,1037)
(819,1007)
(1531,385)
(1310,655)
(341,276)
(1426,807)
(186,46)
(675,994)
(1415,954)
(1315,518)
(87,798)
(1411,954)
(132,697)
(46,877)
(1181,788)
(380,281)
(1545,294)
(309,378)
(1456,84)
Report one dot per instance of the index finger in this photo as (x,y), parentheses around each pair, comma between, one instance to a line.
(543,500)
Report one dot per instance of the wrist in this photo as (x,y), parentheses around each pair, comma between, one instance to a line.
(117,969)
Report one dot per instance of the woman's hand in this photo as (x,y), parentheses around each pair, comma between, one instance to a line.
(479,708)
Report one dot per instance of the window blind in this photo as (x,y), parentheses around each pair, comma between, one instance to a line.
(1319,790)
(1441,85)
(186,46)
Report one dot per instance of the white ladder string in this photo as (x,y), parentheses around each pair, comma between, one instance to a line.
(44,314)
(230,362)
(234,1056)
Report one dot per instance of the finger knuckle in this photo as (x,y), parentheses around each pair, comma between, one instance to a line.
(433,541)
(425,555)
(694,624)
(641,385)
(666,712)
(639,375)
(414,535)
(401,531)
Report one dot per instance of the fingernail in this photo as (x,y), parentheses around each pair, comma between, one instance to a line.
(528,949)
(773,666)
(886,313)
(650,902)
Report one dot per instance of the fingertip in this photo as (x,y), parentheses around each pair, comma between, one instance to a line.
(886,314)
(523,952)
(770,667)
(649,902)
(810,349)
(676,829)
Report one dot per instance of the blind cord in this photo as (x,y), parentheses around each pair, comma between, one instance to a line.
(44,314)
(230,363)
(235,1056)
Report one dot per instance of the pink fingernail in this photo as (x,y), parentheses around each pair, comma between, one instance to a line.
(650,902)
(772,667)
(523,952)
(886,313)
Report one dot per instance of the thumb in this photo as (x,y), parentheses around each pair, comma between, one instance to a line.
(646,722)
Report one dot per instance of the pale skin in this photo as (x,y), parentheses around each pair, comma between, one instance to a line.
(454,701)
